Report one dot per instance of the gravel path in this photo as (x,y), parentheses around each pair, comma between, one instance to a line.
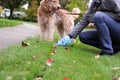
(9,36)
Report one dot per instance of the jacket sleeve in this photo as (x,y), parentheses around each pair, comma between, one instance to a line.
(82,23)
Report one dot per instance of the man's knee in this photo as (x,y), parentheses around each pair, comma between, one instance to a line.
(98,16)
(82,38)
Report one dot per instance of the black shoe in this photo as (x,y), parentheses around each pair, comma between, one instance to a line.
(116,48)
(101,53)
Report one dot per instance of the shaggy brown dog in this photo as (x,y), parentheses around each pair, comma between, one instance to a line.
(49,15)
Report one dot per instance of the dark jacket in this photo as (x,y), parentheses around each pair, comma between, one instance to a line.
(110,7)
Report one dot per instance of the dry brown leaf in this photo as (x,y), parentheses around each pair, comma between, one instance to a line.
(66,48)
(24,44)
(53,53)
(54,47)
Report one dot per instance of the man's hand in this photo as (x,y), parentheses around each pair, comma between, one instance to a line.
(64,41)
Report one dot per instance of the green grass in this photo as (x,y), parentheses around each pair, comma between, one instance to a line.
(76,64)
(9,23)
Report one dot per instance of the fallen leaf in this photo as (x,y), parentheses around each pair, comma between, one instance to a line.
(53,53)
(97,56)
(35,57)
(54,50)
(9,78)
(115,68)
(24,44)
(116,77)
(49,62)
(39,77)
(66,48)
(119,78)
(54,47)
(65,78)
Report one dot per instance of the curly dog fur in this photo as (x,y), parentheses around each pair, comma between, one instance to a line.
(50,15)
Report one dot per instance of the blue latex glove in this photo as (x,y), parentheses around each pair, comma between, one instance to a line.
(64,41)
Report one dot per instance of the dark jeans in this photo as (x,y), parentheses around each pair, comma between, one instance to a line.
(106,36)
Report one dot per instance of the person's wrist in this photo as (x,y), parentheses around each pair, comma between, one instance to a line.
(70,36)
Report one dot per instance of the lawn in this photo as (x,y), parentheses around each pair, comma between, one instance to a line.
(9,23)
(75,62)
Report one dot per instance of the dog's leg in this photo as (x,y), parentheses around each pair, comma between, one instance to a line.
(42,33)
(60,30)
(50,33)
(46,34)
(68,26)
